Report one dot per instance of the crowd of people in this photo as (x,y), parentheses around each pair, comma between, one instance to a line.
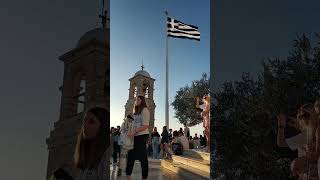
(129,142)
(306,141)
(162,145)
(173,142)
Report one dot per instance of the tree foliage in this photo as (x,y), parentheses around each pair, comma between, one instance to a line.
(184,102)
(244,118)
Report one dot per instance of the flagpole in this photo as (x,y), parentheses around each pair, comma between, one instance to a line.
(167,76)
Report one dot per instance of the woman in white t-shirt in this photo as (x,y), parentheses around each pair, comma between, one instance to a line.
(141,135)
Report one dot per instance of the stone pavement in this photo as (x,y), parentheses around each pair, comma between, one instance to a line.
(155,172)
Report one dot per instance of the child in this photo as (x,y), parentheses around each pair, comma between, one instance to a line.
(126,141)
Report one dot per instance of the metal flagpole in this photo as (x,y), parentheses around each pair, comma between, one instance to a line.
(167,75)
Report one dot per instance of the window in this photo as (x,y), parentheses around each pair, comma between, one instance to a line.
(146,92)
(135,90)
(81,97)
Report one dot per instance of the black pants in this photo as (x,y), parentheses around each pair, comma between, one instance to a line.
(116,151)
(139,152)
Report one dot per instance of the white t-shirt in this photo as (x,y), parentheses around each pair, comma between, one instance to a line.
(141,120)
(202,106)
(298,142)
(184,141)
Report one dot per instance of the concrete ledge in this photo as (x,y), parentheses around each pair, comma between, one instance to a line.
(202,165)
(155,162)
(197,154)
(184,170)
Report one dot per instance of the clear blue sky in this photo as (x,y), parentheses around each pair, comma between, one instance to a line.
(138,33)
(248,31)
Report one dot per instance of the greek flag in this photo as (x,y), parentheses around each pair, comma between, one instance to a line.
(179,29)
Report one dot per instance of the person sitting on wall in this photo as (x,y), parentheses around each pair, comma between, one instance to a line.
(183,141)
(174,147)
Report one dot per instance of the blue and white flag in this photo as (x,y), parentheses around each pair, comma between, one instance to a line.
(179,29)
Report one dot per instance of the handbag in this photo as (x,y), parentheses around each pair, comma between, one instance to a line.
(128,142)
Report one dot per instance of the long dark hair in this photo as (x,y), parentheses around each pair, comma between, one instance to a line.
(164,129)
(88,153)
(138,109)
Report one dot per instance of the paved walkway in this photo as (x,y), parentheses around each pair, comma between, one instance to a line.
(155,172)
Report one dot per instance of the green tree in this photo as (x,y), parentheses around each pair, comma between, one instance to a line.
(184,102)
(244,117)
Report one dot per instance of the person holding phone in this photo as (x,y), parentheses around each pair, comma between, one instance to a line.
(306,142)
(141,135)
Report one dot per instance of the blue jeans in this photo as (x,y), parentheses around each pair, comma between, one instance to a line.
(155,147)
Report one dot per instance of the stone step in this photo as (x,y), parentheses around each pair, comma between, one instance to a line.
(155,173)
(203,165)
(197,154)
(185,171)
(154,161)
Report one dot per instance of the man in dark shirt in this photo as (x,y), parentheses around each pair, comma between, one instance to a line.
(202,141)
(195,137)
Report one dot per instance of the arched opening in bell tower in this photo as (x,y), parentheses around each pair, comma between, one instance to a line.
(146,90)
(135,91)
(81,97)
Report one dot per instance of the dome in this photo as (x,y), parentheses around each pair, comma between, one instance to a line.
(143,73)
(97,34)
